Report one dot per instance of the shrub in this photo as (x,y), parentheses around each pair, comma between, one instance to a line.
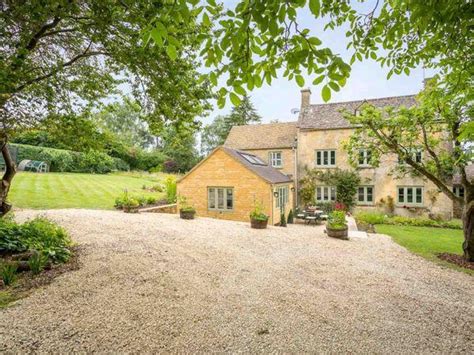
(39,234)
(337,220)
(47,238)
(290,219)
(380,218)
(150,200)
(171,188)
(37,262)
(69,161)
(8,273)
(184,205)
(10,241)
(257,212)
(371,217)
(282,220)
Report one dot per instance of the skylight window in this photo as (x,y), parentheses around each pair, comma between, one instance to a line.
(253,159)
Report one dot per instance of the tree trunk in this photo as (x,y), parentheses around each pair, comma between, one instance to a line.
(10,170)
(468,226)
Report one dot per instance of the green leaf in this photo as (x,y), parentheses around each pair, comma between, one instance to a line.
(299,80)
(318,80)
(315,7)
(171,51)
(334,86)
(326,93)
(235,99)
(314,41)
(205,20)
(239,90)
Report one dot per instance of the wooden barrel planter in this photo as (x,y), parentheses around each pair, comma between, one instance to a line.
(187,214)
(337,233)
(258,224)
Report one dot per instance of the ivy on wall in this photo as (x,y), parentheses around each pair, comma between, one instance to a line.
(345,181)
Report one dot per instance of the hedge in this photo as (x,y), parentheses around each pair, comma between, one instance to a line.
(69,161)
(380,218)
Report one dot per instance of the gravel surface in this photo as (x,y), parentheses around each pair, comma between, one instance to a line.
(153,282)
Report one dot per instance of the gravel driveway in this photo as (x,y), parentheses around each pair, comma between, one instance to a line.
(152,282)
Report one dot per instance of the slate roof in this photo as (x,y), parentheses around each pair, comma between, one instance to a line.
(329,116)
(265,171)
(262,136)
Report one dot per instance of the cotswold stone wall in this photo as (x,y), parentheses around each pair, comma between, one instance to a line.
(381,178)
(221,170)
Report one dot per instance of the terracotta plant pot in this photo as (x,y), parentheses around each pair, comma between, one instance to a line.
(187,214)
(258,224)
(337,233)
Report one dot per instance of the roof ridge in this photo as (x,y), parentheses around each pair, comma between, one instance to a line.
(373,99)
(265,124)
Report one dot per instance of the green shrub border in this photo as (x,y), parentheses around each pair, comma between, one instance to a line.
(379,218)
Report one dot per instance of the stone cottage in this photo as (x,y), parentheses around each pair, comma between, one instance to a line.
(316,141)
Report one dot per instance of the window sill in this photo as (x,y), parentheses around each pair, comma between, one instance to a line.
(220,211)
(365,167)
(361,204)
(325,166)
(421,207)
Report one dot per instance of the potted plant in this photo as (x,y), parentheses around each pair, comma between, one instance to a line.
(186,211)
(336,226)
(130,205)
(258,219)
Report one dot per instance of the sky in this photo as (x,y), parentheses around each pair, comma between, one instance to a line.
(368,80)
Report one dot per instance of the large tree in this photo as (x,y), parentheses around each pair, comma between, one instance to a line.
(216,133)
(59,56)
(430,127)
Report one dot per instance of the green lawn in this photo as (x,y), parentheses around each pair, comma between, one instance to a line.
(426,241)
(68,190)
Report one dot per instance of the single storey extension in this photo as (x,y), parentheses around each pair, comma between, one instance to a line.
(228,183)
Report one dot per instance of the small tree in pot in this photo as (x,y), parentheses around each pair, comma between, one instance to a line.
(258,219)
(186,211)
(336,226)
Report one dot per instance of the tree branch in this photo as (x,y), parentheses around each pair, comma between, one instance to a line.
(85,54)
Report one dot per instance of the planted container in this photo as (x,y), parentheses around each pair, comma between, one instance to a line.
(187,213)
(258,223)
(337,232)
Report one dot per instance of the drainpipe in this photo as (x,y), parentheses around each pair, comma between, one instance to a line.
(295,150)
(273,202)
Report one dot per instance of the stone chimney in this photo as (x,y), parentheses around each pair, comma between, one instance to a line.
(305,98)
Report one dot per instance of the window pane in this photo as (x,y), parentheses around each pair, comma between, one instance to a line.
(211,198)
(230,199)
(361,157)
(333,157)
(361,194)
(368,157)
(333,193)
(325,157)
(370,192)
(220,199)
(409,195)
(418,157)
(326,194)
(318,158)
(419,195)
(461,192)
(318,194)
(401,195)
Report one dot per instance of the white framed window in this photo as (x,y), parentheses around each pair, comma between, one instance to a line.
(283,196)
(416,155)
(325,158)
(365,157)
(410,195)
(325,193)
(276,159)
(459,191)
(365,195)
(220,198)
